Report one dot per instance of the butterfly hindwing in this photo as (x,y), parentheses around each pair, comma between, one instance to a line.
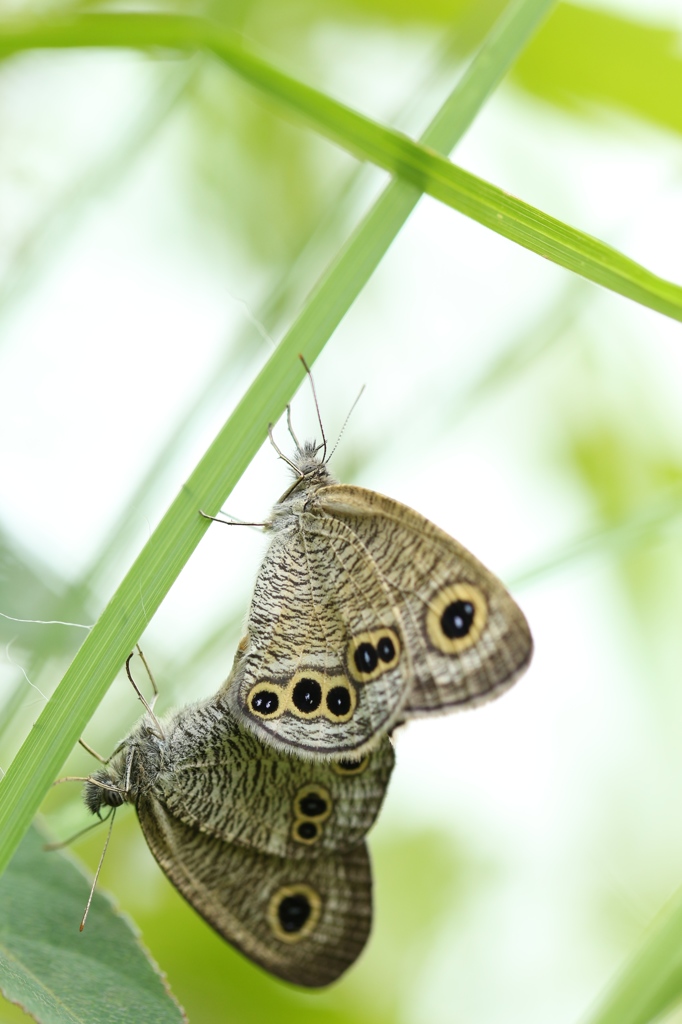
(468,638)
(304,921)
(221,778)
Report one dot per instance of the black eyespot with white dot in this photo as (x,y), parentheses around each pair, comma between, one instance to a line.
(457,619)
(293,912)
(265,702)
(307,695)
(339,701)
(372,653)
(386,649)
(366,658)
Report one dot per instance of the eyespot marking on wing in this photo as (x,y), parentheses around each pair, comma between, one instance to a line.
(312,806)
(456,617)
(351,767)
(294,912)
(265,701)
(308,694)
(371,654)
(313,801)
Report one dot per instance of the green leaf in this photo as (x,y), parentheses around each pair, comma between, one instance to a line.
(58,974)
(395,152)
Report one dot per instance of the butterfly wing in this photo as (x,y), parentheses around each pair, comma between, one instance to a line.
(220,778)
(364,614)
(304,921)
(318,605)
(468,638)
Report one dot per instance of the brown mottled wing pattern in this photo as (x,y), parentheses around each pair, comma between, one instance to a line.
(354,571)
(220,778)
(315,591)
(257,902)
(417,563)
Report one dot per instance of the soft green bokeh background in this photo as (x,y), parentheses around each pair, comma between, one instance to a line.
(159,222)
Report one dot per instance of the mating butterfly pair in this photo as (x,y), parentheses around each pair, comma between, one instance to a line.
(256,802)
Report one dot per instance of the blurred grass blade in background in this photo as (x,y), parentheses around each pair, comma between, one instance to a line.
(392,150)
(68,207)
(650,984)
(644,526)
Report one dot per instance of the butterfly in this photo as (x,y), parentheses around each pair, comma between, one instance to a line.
(365,614)
(267,847)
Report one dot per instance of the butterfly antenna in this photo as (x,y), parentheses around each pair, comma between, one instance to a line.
(317,407)
(345,422)
(99,868)
(145,703)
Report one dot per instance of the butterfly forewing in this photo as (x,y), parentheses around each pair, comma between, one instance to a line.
(298,681)
(364,614)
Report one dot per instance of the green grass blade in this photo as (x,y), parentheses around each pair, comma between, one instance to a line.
(395,152)
(651,983)
(172,542)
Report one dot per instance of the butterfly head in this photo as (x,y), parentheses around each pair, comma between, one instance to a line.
(309,461)
(104,789)
(131,769)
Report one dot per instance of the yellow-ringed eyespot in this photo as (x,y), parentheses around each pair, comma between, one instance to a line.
(294,912)
(456,617)
(349,767)
(312,806)
(372,653)
(267,701)
(313,801)
(312,694)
